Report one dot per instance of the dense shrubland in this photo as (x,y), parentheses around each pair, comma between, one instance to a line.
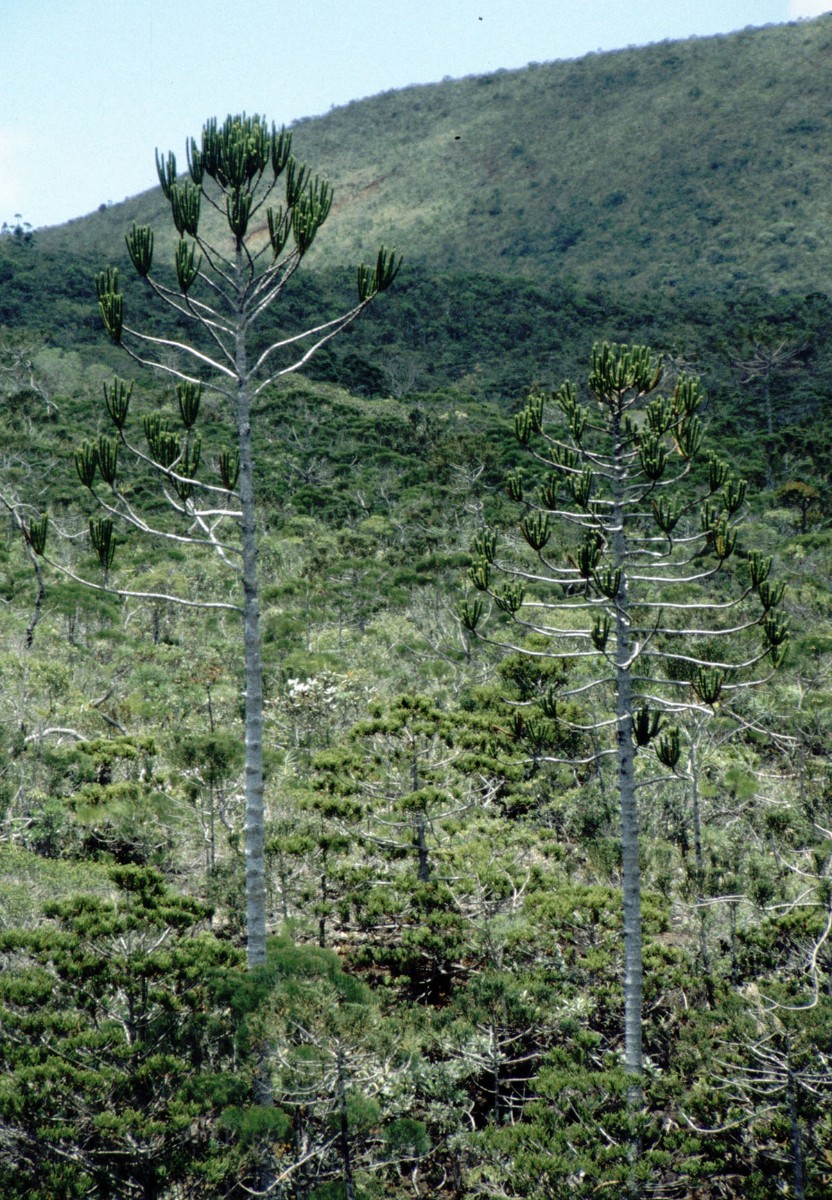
(442,1004)
(469,889)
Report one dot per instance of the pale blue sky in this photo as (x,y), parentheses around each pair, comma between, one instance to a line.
(89,88)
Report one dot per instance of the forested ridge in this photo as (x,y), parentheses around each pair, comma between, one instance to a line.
(458,690)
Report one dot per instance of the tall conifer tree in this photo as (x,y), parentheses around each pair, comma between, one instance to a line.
(229,273)
(623,542)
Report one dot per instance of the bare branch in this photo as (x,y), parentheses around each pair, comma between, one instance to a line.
(136,595)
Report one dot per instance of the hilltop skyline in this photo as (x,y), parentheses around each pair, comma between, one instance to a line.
(89,91)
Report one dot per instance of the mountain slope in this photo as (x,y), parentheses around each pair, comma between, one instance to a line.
(694,165)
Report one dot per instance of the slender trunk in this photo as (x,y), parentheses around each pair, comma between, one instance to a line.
(633,968)
(344,1130)
(254,819)
(422,849)
(496,1095)
(255,810)
(324,903)
(423,872)
(797,1141)
(212,832)
(39,598)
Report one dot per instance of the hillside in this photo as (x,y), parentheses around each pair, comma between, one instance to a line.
(690,166)
(537,669)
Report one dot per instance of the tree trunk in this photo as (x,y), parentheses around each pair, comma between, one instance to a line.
(423,873)
(631,872)
(625,753)
(324,903)
(798,1173)
(344,1130)
(255,810)
(422,848)
(255,815)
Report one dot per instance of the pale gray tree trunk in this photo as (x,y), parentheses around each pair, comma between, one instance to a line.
(255,866)
(254,818)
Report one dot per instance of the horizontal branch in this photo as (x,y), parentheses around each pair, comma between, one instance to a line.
(695,606)
(134,595)
(60,730)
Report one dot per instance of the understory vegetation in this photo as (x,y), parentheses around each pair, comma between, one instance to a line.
(442,1007)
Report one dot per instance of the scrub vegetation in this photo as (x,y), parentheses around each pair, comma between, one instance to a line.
(543,551)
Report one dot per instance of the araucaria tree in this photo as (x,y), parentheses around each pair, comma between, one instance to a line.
(625,574)
(116,1053)
(231,264)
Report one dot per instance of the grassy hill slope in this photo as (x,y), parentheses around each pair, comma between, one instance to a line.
(694,165)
